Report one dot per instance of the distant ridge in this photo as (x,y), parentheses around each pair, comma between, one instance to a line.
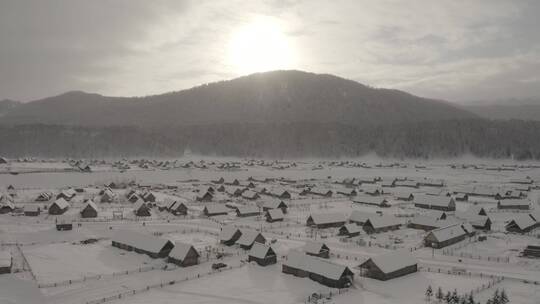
(271,97)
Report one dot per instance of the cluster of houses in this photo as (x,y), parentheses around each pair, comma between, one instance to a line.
(180,254)
(350,225)
(244,238)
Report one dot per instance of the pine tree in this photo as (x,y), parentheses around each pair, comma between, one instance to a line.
(429,293)
(448,297)
(496,297)
(470,299)
(504,297)
(454,298)
(439,294)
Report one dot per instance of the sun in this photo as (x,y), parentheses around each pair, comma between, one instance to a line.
(260,46)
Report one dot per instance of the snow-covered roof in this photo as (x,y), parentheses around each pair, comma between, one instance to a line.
(260,250)
(447,233)
(523,221)
(384,221)
(394,261)
(250,194)
(276,214)
(213,209)
(227,233)
(360,216)
(424,220)
(472,217)
(434,200)
(273,204)
(327,218)
(61,203)
(352,228)
(90,204)
(370,188)
(248,237)
(138,240)
(315,265)
(248,209)
(371,200)
(514,202)
(181,250)
(313,247)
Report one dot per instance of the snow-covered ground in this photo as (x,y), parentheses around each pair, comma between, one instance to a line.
(42,255)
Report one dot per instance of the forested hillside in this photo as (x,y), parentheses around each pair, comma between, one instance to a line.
(482,138)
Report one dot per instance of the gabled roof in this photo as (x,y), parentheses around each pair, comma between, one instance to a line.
(139,204)
(273,204)
(433,200)
(371,200)
(370,188)
(260,251)
(276,214)
(360,216)
(523,221)
(473,218)
(394,261)
(447,233)
(61,203)
(248,237)
(90,204)
(384,221)
(213,209)
(181,250)
(227,233)
(328,218)
(315,265)
(247,209)
(314,247)
(145,242)
(352,228)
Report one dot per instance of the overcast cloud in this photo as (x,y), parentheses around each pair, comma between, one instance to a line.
(454,50)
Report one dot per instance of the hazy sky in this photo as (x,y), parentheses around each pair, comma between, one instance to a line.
(455,50)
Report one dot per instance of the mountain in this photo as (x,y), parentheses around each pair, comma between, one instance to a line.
(272,97)
(7,106)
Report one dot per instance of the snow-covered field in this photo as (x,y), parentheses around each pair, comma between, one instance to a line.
(42,255)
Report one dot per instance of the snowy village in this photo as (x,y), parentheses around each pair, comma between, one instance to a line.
(257,231)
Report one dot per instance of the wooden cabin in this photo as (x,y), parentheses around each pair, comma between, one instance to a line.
(274,215)
(389,266)
(183,255)
(350,230)
(60,206)
(319,270)
(317,249)
(326,220)
(378,224)
(262,254)
(32,210)
(249,237)
(152,246)
(90,210)
(229,235)
(215,210)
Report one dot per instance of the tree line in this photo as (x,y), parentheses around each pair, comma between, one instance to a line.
(482,138)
